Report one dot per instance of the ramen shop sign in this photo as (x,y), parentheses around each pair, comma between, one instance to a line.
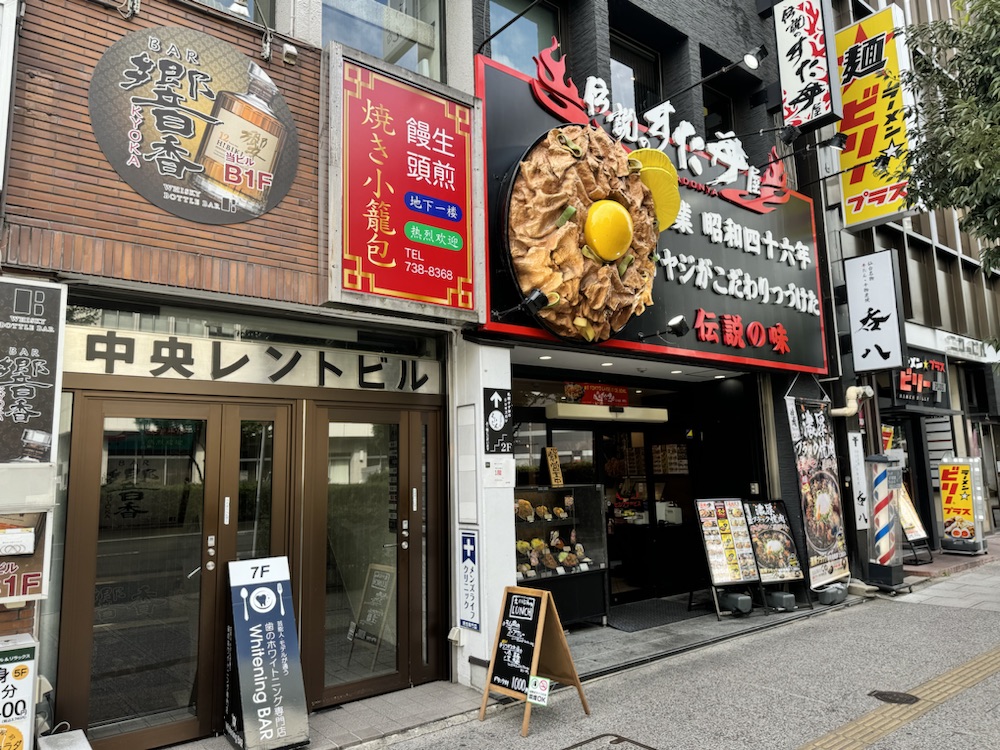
(407,191)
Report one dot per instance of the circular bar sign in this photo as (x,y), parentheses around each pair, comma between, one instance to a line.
(194,126)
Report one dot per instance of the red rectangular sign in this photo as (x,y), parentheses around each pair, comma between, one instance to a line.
(407,191)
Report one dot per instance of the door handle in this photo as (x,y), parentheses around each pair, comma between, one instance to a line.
(194,571)
(404,545)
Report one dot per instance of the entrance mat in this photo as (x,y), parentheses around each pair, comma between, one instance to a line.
(652,613)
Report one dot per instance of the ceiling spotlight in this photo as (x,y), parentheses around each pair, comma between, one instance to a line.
(676,372)
(545,357)
(607,364)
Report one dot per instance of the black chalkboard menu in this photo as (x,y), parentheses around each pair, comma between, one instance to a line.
(773,543)
(516,646)
(530,642)
(380,585)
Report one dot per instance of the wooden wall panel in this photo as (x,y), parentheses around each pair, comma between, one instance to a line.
(66,209)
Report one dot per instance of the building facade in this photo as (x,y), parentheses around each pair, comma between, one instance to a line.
(301,322)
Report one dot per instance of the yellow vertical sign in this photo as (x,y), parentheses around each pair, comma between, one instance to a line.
(871,58)
(956,501)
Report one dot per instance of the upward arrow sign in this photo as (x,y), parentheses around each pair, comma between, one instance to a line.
(497,399)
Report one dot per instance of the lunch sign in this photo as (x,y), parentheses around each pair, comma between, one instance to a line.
(530,651)
(735,253)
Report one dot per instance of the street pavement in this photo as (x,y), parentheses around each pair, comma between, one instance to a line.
(805,685)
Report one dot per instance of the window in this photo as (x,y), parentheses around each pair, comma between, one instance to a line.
(258,11)
(406,33)
(718,112)
(635,76)
(526,37)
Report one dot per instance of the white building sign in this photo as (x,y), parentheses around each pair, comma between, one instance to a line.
(874,321)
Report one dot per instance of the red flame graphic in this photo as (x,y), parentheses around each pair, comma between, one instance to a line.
(773,188)
(554,90)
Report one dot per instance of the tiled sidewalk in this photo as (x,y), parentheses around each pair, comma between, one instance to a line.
(442,703)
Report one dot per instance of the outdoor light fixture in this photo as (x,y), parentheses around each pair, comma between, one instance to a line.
(751,59)
(838,142)
(677,325)
(786,133)
(532,304)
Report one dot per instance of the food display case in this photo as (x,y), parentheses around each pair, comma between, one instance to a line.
(561,547)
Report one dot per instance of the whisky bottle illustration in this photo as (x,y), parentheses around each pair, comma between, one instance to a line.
(240,152)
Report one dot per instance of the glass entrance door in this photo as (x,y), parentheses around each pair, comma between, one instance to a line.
(162,495)
(376,515)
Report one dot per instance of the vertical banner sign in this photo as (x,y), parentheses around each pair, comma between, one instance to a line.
(810,97)
(872,57)
(17,692)
(265,698)
(469,616)
(876,327)
(193,126)
(819,491)
(407,186)
(859,482)
(31,319)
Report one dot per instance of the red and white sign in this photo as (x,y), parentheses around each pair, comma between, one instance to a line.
(809,98)
(407,167)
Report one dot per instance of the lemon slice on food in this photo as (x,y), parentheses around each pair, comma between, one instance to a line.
(651,157)
(662,184)
(608,229)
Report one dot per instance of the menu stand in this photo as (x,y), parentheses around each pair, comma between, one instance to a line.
(530,642)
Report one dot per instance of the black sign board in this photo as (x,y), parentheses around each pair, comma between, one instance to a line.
(530,642)
(923,382)
(499,409)
(746,280)
(265,698)
(515,650)
(31,319)
(378,596)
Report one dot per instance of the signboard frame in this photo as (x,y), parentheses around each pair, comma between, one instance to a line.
(725,538)
(260,586)
(34,326)
(961,477)
(472,307)
(543,640)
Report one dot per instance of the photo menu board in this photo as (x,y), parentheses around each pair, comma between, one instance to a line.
(727,541)
(773,543)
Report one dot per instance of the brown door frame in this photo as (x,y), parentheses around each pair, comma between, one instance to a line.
(223,418)
(412,670)
(79,579)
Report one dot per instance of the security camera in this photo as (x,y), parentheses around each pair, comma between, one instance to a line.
(289,54)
